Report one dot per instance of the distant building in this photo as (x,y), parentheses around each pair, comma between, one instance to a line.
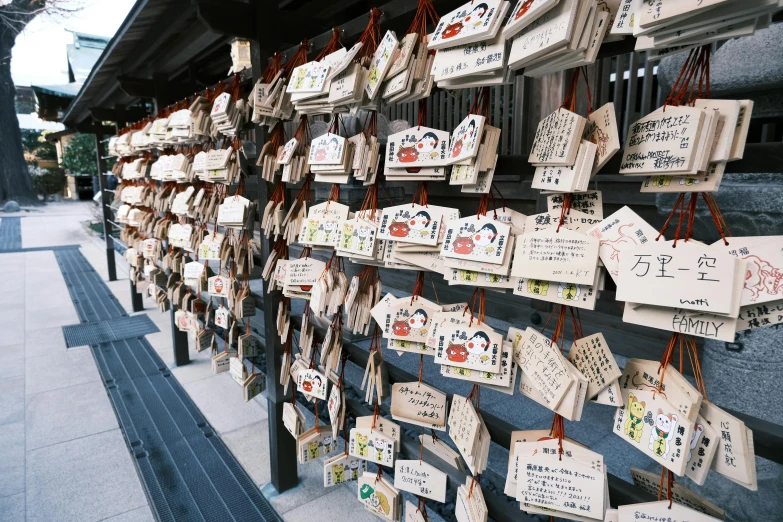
(52,100)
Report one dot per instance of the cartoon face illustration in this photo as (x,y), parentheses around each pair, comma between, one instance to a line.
(218,285)
(320,153)
(312,230)
(361,444)
(379,444)
(452,30)
(463,245)
(364,235)
(307,385)
(524,8)
(698,429)
(486,235)
(418,319)
(665,424)
(348,235)
(427,144)
(476,17)
(478,344)
(331,147)
(407,154)
(399,229)
(300,78)
(373,76)
(568,291)
(457,150)
(470,131)
(400,327)
(329,228)
(420,221)
(355,469)
(635,421)
(338,473)
(457,353)
(312,449)
(537,286)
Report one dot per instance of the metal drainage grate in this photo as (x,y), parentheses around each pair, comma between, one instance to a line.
(90,295)
(187,471)
(86,334)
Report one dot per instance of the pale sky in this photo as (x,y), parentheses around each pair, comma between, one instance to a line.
(39,54)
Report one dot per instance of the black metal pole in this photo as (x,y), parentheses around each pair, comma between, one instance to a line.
(105,211)
(282,446)
(137,302)
(179,342)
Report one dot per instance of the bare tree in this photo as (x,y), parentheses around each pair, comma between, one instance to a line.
(14,16)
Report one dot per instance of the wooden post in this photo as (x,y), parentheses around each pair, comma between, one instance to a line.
(282,446)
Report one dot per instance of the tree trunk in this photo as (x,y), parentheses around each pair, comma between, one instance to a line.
(15,180)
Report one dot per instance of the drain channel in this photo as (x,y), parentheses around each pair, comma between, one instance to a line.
(187,471)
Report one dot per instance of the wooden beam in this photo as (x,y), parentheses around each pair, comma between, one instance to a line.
(88,127)
(107,114)
(169,23)
(188,48)
(137,87)
(233,18)
(229,17)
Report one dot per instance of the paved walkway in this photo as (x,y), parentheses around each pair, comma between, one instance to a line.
(62,454)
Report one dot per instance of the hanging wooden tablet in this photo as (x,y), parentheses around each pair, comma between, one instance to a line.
(419,404)
(592,357)
(557,139)
(692,276)
(465,139)
(342,468)
(379,497)
(651,483)
(564,256)
(371,445)
(410,223)
(664,142)
(662,510)
(735,457)
(652,425)
(472,347)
